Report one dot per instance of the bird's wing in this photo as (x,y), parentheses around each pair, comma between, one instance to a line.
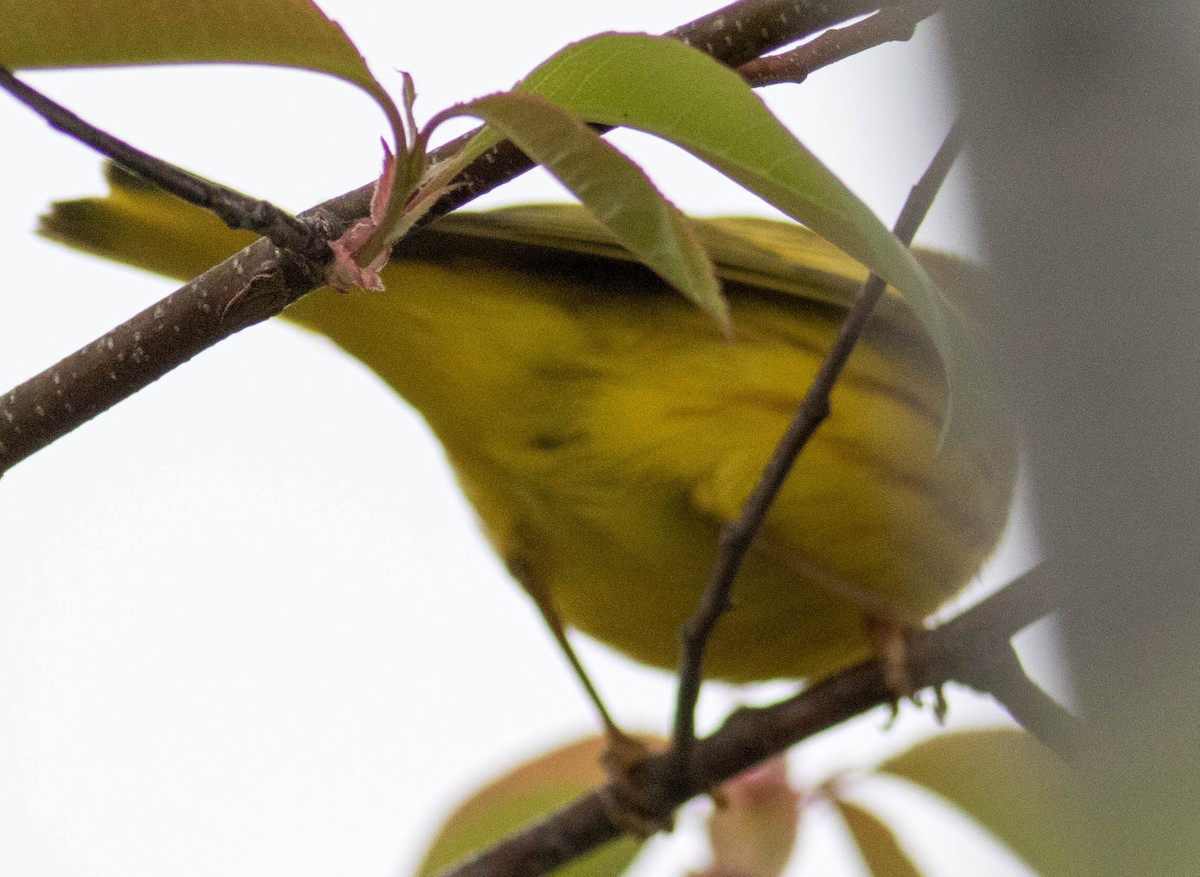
(139,224)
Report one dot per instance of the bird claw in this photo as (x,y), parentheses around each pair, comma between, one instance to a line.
(889,644)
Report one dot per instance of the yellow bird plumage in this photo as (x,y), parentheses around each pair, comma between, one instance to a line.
(604,429)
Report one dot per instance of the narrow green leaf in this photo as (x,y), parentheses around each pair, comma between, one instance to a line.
(614,189)
(525,794)
(108,33)
(668,89)
(1009,783)
(102,33)
(876,841)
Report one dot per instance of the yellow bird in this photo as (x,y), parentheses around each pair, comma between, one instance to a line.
(604,429)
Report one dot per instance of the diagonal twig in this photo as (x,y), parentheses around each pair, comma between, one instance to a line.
(895,24)
(1005,679)
(234,209)
(737,535)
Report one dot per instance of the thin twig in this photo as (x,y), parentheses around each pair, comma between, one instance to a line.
(962,648)
(216,305)
(737,535)
(1011,609)
(896,24)
(234,209)
(1005,679)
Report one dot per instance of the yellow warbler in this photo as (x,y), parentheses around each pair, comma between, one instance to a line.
(604,429)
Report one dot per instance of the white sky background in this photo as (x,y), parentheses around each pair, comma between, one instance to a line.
(247,625)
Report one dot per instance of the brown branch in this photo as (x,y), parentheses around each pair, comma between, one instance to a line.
(222,301)
(965,647)
(737,536)
(896,24)
(1006,680)
(234,209)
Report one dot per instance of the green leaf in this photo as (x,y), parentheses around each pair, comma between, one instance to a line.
(1009,783)
(666,88)
(107,33)
(875,840)
(101,33)
(614,189)
(521,796)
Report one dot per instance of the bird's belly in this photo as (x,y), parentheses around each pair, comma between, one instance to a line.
(626,562)
(609,490)
(780,626)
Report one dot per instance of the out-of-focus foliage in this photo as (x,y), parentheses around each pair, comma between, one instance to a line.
(1009,783)
(524,795)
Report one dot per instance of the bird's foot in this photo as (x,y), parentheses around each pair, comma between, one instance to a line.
(888,639)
